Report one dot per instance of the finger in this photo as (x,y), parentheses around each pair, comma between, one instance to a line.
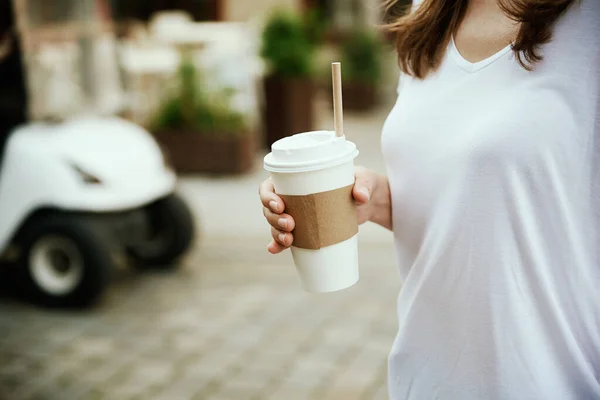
(283,238)
(282,222)
(362,190)
(275,248)
(268,197)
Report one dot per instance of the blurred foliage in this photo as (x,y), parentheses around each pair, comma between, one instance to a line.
(362,56)
(316,26)
(190,108)
(289,43)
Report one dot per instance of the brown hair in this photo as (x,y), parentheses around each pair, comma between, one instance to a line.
(422,35)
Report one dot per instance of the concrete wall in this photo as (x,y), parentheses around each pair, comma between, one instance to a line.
(243,10)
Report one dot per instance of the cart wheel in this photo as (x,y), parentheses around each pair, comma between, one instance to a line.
(171,234)
(64,262)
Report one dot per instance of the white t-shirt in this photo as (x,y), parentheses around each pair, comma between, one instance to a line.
(495,180)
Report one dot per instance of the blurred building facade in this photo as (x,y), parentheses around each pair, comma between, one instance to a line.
(339,12)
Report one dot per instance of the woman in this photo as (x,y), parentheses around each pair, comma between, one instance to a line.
(493,194)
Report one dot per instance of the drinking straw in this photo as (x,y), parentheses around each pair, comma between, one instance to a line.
(338,114)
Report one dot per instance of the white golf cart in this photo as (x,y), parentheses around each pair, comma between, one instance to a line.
(78,184)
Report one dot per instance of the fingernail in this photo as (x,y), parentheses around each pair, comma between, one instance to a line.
(274,206)
(281,238)
(282,223)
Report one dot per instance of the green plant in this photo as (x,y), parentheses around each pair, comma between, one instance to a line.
(315,25)
(289,44)
(361,57)
(188,107)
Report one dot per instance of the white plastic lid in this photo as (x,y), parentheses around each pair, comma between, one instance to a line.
(309,151)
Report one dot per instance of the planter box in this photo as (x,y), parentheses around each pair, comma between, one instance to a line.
(359,96)
(288,108)
(193,152)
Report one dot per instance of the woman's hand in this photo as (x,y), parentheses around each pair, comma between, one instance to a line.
(370,191)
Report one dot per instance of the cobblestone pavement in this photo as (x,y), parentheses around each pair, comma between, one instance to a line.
(231,324)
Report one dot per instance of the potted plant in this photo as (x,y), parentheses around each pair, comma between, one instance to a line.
(288,49)
(362,66)
(200,131)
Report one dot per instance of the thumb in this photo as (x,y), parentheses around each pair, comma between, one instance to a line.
(362,191)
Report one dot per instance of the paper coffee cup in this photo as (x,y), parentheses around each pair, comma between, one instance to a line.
(314,173)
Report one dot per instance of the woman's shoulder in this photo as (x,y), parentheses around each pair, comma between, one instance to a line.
(581,20)
(577,34)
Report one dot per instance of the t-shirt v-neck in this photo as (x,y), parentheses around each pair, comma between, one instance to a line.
(472,67)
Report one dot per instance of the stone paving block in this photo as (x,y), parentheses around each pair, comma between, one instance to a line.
(96,377)
(332,352)
(9,386)
(67,390)
(143,347)
(35,382)
(243,382)
(96,394)
(109,329)
(272,361)
(251,370)
(313,364)
(353,378)
(178,319)
(341,336)
(183,388)
(61,335)
(307,317)
(15,366)
(5,329)
(7,357)
(307,374)
(302,379)
(368,361)
(381,393)
(267,356)
(155,371)
(89,347)
(219,358)
(379,345)
(246,337)
(200,371)
(34,346)
(277,353)
(188,342)
(347,393)
(289,392)
(364,376)
(235,390)
(249,376)
(355,381)
(126,390)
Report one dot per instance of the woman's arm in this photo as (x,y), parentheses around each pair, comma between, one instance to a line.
(382,203)
(372,194)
